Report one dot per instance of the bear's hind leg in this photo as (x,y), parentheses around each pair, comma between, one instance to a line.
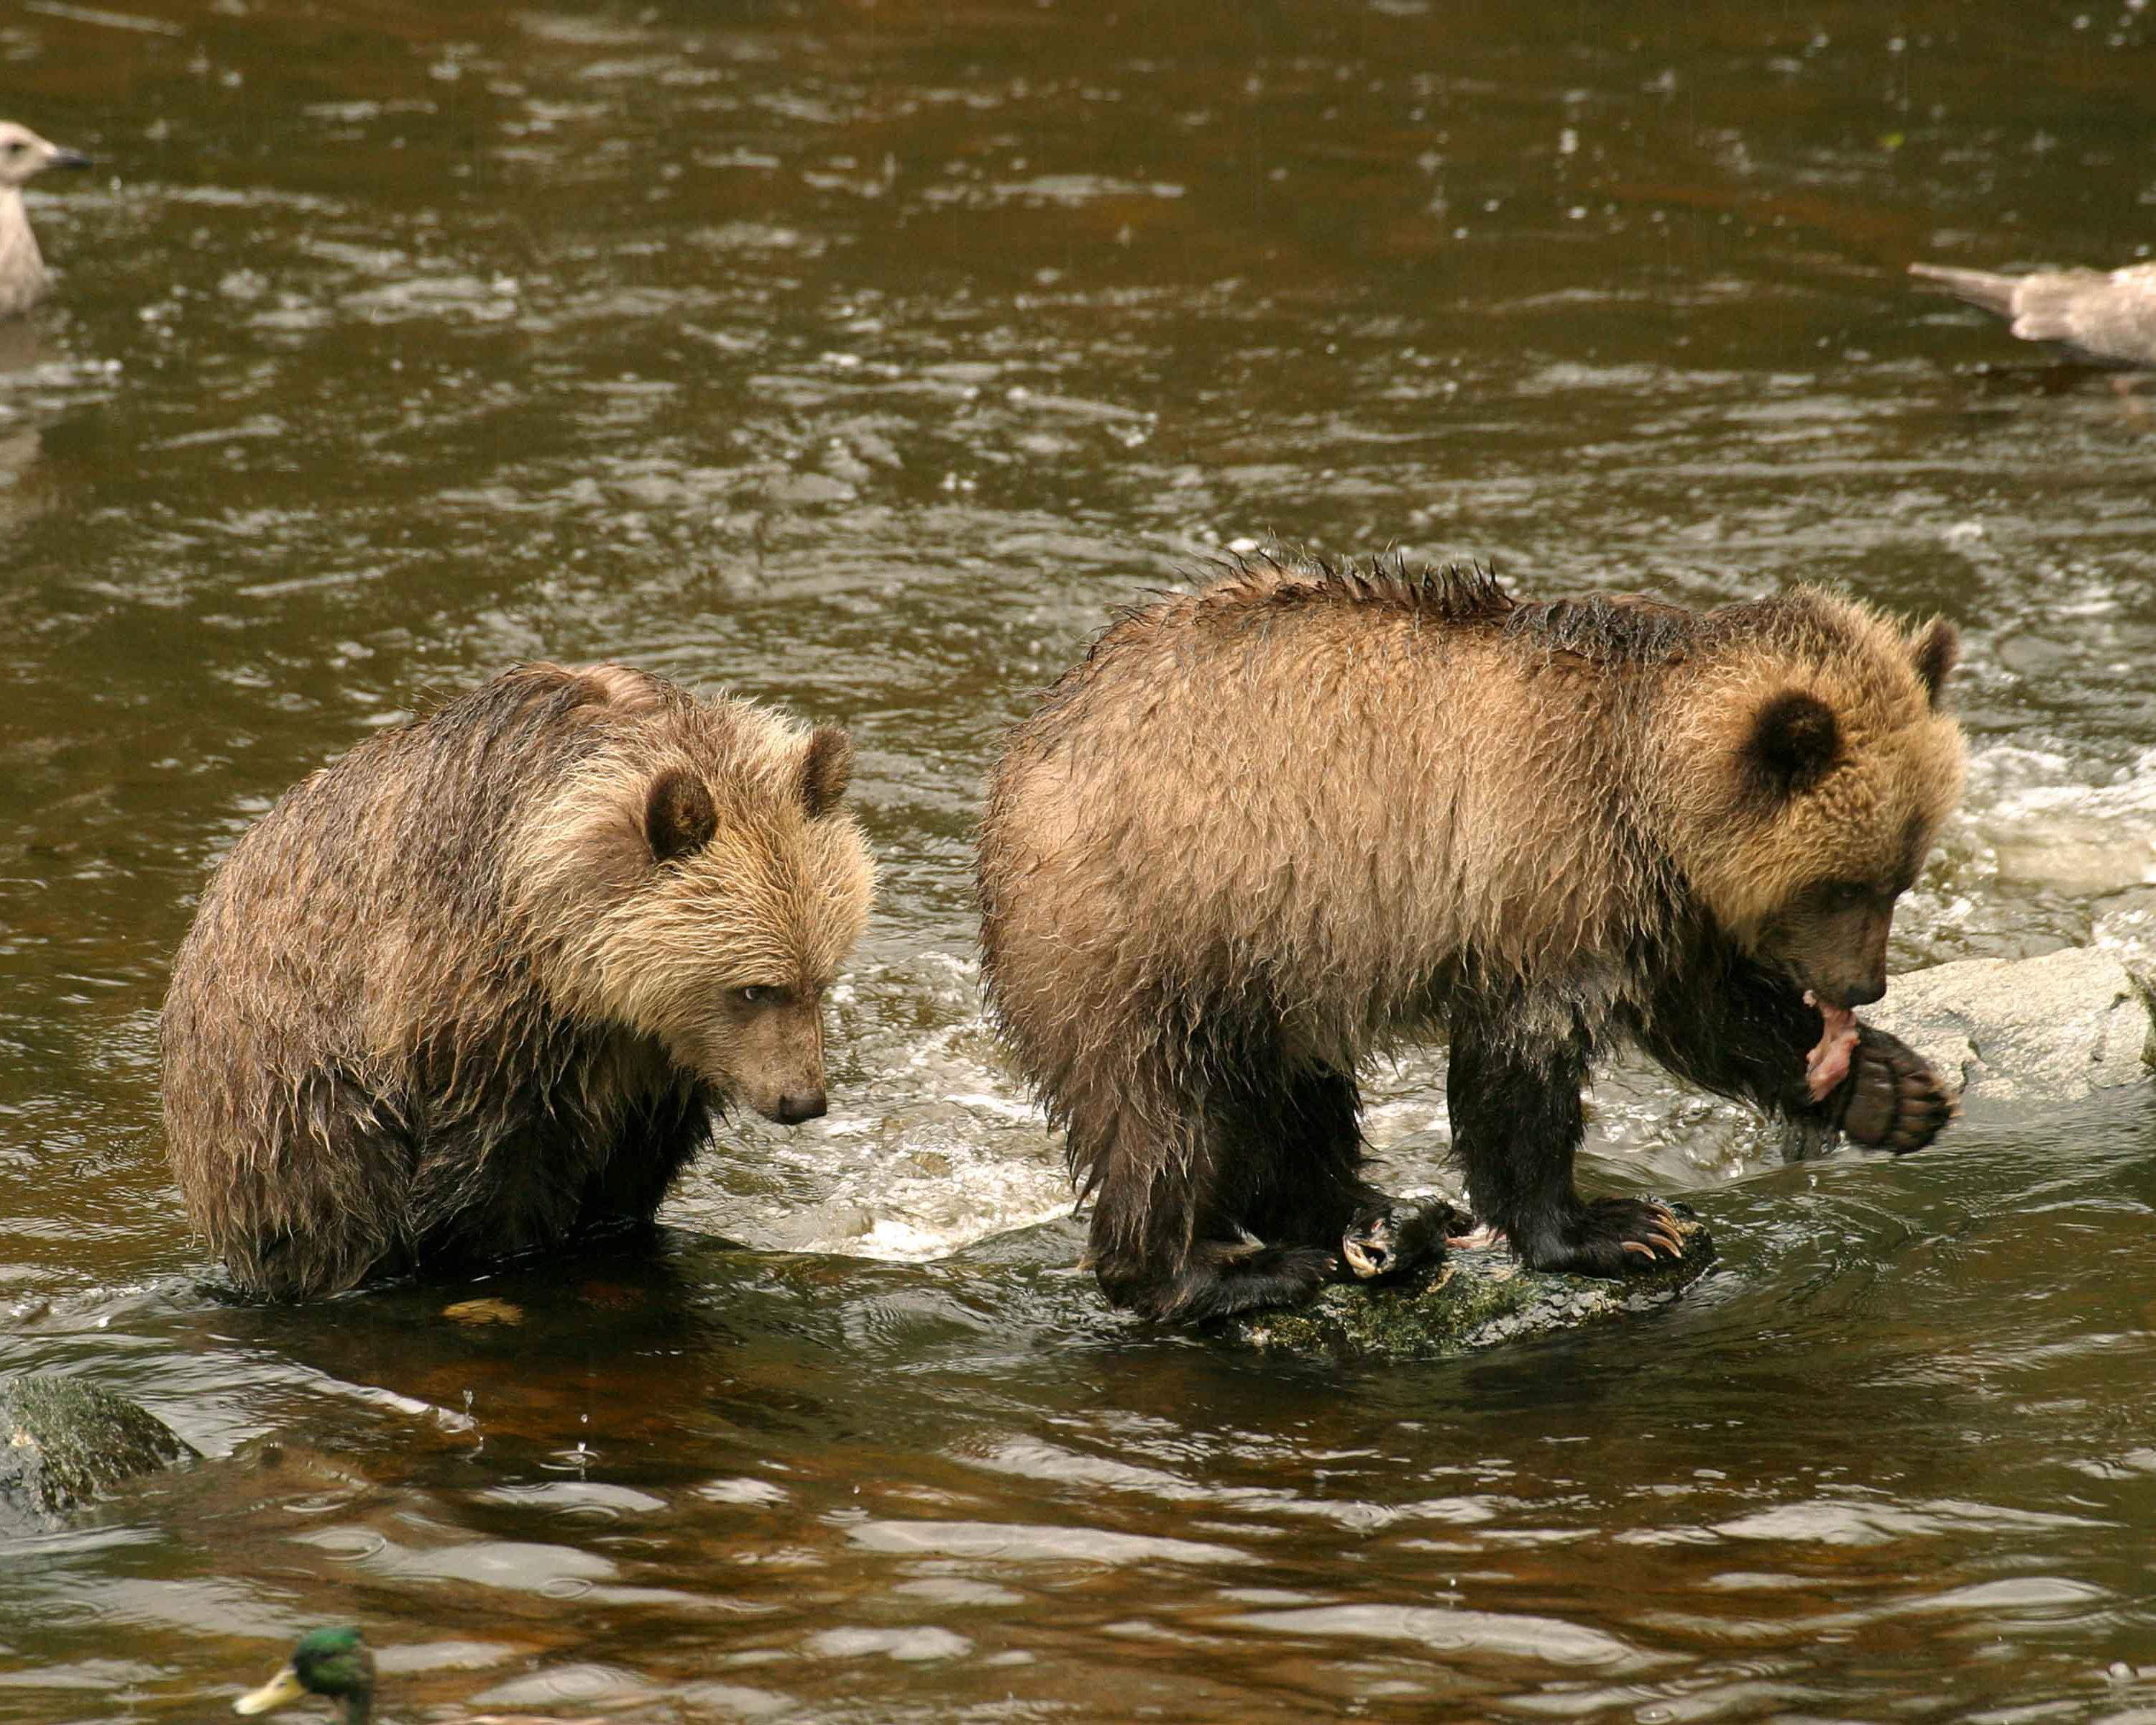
(1218,1278)
(1210,1275)
(1240,1202)
(1306,1184)
(1518,1120)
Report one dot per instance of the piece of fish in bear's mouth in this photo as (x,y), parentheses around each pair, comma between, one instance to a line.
(1827,1064)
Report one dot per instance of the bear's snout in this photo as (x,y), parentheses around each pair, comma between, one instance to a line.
(1862,993)
(795,1106)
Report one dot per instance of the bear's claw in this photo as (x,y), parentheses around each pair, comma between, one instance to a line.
(1659,1234)
(1381,1242)
(1365,1258)
(1609,1237)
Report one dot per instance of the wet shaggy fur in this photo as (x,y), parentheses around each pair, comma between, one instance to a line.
(1303,815)
(482,983)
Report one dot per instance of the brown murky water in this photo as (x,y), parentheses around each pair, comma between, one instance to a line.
(862,356)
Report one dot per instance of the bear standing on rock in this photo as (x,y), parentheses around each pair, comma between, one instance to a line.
(1303,815)
(481,983)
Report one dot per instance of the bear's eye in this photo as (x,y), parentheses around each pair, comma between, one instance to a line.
(1843,895)
(758,994)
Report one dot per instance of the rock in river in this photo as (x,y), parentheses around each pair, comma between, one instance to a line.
(65,1443)
(1475,1297)
(2029,1031)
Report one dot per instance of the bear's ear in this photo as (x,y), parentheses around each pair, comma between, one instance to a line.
(678,815)
(825,769)
(1794,741)
(1935,652)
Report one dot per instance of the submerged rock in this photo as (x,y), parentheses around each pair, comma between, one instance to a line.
(2050,1030)
(1475,1297)
(65,1443)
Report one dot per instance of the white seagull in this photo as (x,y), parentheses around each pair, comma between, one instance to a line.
(23,155)
(2108,316)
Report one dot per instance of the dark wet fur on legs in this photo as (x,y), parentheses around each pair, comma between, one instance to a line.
(1265,1166)
(1514,1089)
(1218,1278)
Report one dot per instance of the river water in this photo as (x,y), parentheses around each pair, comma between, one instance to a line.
(862,356)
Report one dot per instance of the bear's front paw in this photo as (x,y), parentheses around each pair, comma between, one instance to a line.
(1891,1100)
(1381,1242)
(1609,1237)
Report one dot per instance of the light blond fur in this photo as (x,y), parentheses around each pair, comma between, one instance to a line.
(462,993)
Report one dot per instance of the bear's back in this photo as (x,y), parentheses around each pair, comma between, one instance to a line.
(1325,789)
(381,872)
(1300,772)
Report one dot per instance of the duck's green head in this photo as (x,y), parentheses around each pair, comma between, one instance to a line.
(333,1662)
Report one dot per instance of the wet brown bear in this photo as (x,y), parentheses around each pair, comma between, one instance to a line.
(1301,816)
(482,982)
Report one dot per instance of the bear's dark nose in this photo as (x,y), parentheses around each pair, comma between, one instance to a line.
(797,1106)
(1863,993)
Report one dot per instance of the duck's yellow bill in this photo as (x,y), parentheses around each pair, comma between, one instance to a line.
(284,1686)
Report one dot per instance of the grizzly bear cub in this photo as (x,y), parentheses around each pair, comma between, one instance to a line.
(481,983)
(1303,815)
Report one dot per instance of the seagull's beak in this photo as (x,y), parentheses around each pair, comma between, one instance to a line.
(284,1686)
(69,158)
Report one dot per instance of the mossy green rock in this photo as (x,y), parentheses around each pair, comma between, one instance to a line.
(1472,1299)
(65,1443)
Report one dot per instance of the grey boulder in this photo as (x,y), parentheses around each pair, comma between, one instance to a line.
(2029,1031)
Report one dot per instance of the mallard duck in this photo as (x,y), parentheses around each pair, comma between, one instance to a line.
(2108,316)
(335,1664)
(332,1662)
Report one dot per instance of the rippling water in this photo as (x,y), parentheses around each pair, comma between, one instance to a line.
(863,356)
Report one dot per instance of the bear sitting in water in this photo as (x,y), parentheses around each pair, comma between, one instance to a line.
(481,983)
(1271,828)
